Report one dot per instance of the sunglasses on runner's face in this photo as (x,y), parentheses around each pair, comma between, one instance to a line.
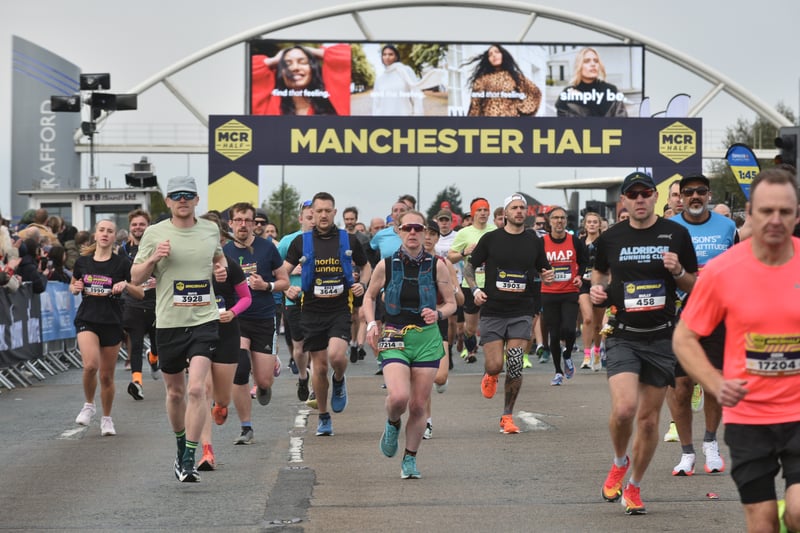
(178,196)
(688,192)
(644,193)
(261,222)
(408,228)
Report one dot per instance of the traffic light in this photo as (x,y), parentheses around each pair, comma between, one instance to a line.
(786,142)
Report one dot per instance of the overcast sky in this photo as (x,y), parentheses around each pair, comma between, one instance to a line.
(749,44)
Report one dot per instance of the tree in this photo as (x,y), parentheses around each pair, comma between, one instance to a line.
(363,75)
(283,207)
(757,134)
(451,194)
(417,56)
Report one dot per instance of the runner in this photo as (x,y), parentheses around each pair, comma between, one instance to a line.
(327,254)
(512,257)
(410,341)
(591,317)
(100,276)
(639,266)
(759,388)
(183,253)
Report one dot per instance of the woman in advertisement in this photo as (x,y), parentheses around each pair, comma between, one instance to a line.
(499,88)
(588,94)
(398,91)
(302,81)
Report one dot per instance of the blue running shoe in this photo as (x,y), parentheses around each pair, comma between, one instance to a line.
(569,367)
(324,426)
(409,469)
(339,395)
(389,440)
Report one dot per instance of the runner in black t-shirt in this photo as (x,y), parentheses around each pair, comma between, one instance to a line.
(325,316)
(647,258)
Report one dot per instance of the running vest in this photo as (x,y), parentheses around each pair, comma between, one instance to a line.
(307,272)
(563,257)
(427,288)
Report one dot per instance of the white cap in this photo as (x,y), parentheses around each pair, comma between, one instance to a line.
(513,197)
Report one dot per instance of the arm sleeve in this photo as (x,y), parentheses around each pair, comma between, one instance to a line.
(244,298)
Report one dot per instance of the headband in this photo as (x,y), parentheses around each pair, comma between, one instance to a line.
(478,204)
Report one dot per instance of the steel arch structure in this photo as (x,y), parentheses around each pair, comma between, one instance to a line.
(719,82)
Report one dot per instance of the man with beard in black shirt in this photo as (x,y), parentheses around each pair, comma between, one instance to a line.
(327,254)
(640,264)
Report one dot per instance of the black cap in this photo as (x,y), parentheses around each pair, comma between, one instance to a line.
(261,214)
(694,177)
(637,178)
(432,226)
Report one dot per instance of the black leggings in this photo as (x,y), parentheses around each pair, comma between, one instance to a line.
(559,316)
(137,322)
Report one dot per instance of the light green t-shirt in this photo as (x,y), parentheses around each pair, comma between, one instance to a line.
(465,237)
(184,280)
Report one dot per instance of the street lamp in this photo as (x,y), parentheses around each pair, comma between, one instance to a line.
(97,102)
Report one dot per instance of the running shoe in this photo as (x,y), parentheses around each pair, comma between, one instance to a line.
(507,425)
(302,389)
(557,380)
(569,367)
(324,426)
(189,473)
(176,467)
(338,394)
(293,366)
(612,486)
(632,501)
(353,354)
(428,435)
(409,468)
(361,353)
(152,359)
(219,414)
(672,433)
(526,362)
(686,466)
(471,358)
(714,462)
(464,353)
(84,418)
(246,437)
(698,398)
(441,388)
(596,363)
(544,355)
(208,462)
(107,427)
(587,362)
(312,400)
(253,392)
(489,386)
(264,395)
(389,439)
(278,367)
(135,390)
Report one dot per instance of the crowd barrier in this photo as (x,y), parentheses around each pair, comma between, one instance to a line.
(37,335)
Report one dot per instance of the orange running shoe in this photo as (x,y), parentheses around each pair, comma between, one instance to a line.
(612,487)
(507,425)
(488,386)
(220,414)
(632,501)
(207,463)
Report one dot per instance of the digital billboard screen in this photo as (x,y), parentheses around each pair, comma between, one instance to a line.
(444,79)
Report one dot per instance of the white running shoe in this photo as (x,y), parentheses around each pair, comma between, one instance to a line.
(441,388)
(84,418)
(686,466)
(107,427)
(714,462)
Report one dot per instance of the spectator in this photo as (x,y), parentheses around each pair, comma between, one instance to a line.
(28,270)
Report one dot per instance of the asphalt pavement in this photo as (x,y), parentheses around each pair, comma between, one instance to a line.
(55,475)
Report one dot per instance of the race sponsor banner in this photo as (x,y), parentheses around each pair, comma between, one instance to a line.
(744,165)
(20,326)
(58,312)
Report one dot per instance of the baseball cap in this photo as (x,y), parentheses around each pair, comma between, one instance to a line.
(637,178)
(260,213)
(181,184)
(431,225)
(444,213)
(694,177)
(514,197)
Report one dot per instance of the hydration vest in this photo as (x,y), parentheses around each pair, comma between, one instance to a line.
(427,288)
(307,272)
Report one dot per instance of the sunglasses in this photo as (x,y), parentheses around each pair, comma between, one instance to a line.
(261,222)
(178,196)
(307,203)
(644,193)
(688,192)
(408,228)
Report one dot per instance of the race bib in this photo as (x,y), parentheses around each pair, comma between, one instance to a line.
(645,295)
(221,304)
(329,287)
(772,355)
(511,281)
(97,285)
(562,273)
(187,293)
(391,339)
